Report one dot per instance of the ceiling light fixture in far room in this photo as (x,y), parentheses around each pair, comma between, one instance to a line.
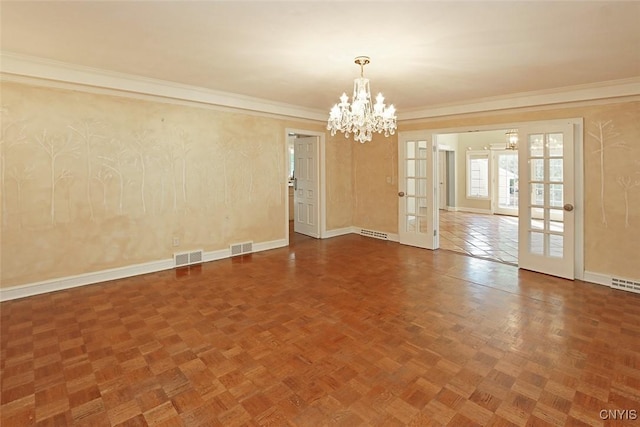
(512,139)
(361,118)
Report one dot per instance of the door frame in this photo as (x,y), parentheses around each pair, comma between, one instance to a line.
(578,146)
(442,179)
(321,186)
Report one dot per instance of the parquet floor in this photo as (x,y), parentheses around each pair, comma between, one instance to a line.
(492,237)
(345,331)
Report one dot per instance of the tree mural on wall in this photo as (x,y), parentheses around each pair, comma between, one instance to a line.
(20,176)
(104,176)
(607,137)
(85,130)
(12,133)
(116,164)
(140,149)
(627,183)
(182,147)
(56,146)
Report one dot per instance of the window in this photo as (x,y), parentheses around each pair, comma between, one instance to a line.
(478,174)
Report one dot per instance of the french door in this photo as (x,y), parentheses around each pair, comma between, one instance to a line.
(306,187)
(505,190)
(417,214)
(546,198)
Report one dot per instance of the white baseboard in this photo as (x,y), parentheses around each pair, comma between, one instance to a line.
(339,232)
(68,282)
(619,283)
(393,237)
(597,278)
(59,284)
(273,244)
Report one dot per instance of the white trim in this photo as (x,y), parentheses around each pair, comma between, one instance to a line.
(340,232)
(597,278)
(578,198)
(579,93)
(608,281)
(14,66)
(40,71)
(84,279)
(68,282)
(273,244)
(393,237)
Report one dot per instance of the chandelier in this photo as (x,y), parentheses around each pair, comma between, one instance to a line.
(512,139)
(361,118)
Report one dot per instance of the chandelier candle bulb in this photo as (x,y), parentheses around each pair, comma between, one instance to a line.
(361,117)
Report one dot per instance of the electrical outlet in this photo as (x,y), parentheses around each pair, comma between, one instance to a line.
(176,241)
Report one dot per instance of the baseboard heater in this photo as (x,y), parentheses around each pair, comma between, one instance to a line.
(375,234)
(625,285)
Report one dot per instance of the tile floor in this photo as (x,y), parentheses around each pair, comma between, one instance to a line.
(493,237)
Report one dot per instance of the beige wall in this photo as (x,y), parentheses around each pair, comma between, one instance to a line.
(611,187)
(339,155)
(375,184)
(92,182)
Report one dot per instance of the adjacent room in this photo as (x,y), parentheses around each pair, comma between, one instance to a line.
(297,213)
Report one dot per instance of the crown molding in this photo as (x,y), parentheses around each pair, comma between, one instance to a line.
(29,69)
(15,66)
(570,94)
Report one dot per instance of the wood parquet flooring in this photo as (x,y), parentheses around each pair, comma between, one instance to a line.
(346,331)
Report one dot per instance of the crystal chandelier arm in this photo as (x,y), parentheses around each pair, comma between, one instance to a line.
(362,117)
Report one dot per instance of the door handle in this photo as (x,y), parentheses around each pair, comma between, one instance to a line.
(568,207)
(401,194)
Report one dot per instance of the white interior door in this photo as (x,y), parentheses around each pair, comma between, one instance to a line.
(306,187)
(417,207)
(547,200)
(506,182)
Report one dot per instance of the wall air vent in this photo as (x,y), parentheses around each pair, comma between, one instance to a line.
(241,248)
(625,285)
(375,234)
(188,258)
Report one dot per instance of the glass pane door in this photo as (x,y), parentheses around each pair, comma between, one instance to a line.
(415,191)
(547,204)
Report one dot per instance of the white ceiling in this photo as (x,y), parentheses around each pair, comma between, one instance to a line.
(424,54)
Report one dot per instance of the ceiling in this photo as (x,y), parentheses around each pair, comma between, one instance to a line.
(424,54)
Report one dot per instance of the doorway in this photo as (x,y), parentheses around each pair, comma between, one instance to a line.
(475,216)
(547,181)
(305,184)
